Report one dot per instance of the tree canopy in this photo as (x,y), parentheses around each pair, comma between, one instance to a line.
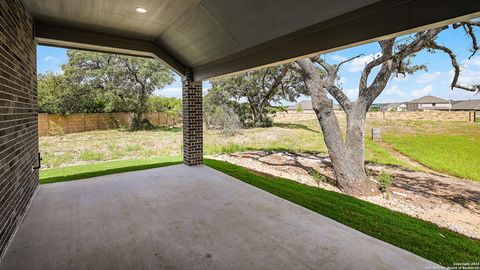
(102,82)
(259,89)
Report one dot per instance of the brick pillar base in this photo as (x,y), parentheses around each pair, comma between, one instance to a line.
(192,121)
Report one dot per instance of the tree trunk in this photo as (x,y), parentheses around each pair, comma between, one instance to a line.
(258,114)
(138,121)
(355,139)
(347,157)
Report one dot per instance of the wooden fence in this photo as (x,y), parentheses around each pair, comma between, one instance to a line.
(55,124)
(454,116)
(431,115)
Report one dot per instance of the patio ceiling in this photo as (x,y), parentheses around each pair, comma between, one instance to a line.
(217,37)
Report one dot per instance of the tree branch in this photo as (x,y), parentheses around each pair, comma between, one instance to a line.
(391,61)
(277,81)
(387,50)
(337,66)
(329,83)
(314,83)
(468,27)
(456,67)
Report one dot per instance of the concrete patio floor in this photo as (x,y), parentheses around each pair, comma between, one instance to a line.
(181,217)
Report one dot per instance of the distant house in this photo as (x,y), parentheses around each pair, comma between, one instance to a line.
(466,105)
(429,103)
(306,107)
(394,107)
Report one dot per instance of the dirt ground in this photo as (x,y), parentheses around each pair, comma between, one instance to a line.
(446,201)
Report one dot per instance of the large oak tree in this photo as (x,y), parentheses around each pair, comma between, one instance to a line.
(347,154)
(129,81)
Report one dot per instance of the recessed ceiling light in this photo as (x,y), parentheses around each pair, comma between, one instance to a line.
(140,10)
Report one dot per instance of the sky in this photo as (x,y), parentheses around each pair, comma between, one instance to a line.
(436,81)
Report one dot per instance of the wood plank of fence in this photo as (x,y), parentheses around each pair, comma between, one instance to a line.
(54,124)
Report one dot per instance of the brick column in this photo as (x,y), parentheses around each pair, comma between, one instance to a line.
(192,121)
(18,116)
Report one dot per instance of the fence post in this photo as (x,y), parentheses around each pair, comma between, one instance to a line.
(46,126)
(377,134)
(96,121)
(66,119)
(83,121)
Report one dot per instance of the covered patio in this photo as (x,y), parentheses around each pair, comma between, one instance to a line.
(186,216)
(182,217)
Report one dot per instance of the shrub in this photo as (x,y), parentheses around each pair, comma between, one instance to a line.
(318,177)
(143,124)
(384,182)
(264,122)
(226,119)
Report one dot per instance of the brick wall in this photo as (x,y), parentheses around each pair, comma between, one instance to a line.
(18,116)
(192,121)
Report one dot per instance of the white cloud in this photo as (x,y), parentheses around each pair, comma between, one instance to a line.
(351,93)
(394,91)
(359,63)
(429,77)
(422,91)
(474,61)
(468,76)
(50,59)
(338,58)
(169,92)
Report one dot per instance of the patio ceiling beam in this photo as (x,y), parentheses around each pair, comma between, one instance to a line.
(60,36)
(375,22)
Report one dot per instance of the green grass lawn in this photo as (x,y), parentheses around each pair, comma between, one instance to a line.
(457,155)
(378,154)
(103,168)
(420,237)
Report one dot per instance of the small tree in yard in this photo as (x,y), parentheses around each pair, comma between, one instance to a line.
(347,154)
(260,88)
(220,111)
(127,81)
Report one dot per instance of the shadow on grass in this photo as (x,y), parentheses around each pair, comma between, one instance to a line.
(236,148)
(156,128)
(168,128)
(295,126)
(293,161)
(82,175)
